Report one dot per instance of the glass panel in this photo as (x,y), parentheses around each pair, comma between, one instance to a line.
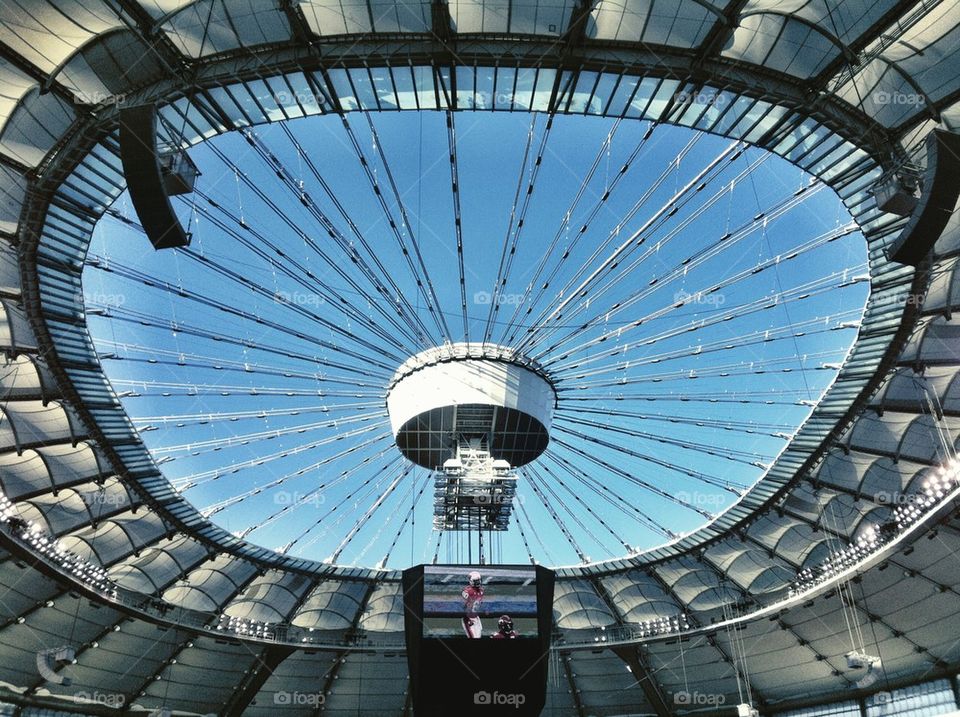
(660,100)
(733,115)
(809,142)
(523,93)
(445,85)
(720,103)
(583,93)
(305,94)
(641,99)
(484,96)
(284,97)
(604,91)
(505,79)
(406,93)
(342,89)
(825,148)
(769,117)
(544,90)
(383,87)
(465,81)
(426,93)
(264,97)
(796,137)
(364,88)
(618,103)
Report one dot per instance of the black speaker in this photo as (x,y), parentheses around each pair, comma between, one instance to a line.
(145,178)
(938,200)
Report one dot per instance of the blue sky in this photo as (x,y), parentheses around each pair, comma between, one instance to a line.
(318,478)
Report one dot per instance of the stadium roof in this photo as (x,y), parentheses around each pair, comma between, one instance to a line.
(846,91)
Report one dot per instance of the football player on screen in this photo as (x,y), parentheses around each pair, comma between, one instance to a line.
(506,631)
(472,596)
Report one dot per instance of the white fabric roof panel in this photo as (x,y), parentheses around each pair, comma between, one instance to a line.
(116,538)
(605,685)
(920,441)
(11,197)
(331,606)
(577,606)
(846,21)
(46,34)
(203,678)
(13,187)
(680,23)
(120,664)
(67,461)
(384,612)
(488,16)
(927,51)
(303,673)
(15,330)
(933,342)
(208,27)
(211,585)
(639,597)
(56,514)
(781,43)
(401,16)
(148,573)
(35,423)
(14,84)
(109,66)
(336,17)
(21,379)
(942,292)
(34,127)
(377,681)
(22,474)
(159,566)
(750,567)
(909,390)
(270,598)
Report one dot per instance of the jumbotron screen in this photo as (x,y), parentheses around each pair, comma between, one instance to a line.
(482,602)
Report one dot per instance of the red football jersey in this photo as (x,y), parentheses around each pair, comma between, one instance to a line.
(472,597)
